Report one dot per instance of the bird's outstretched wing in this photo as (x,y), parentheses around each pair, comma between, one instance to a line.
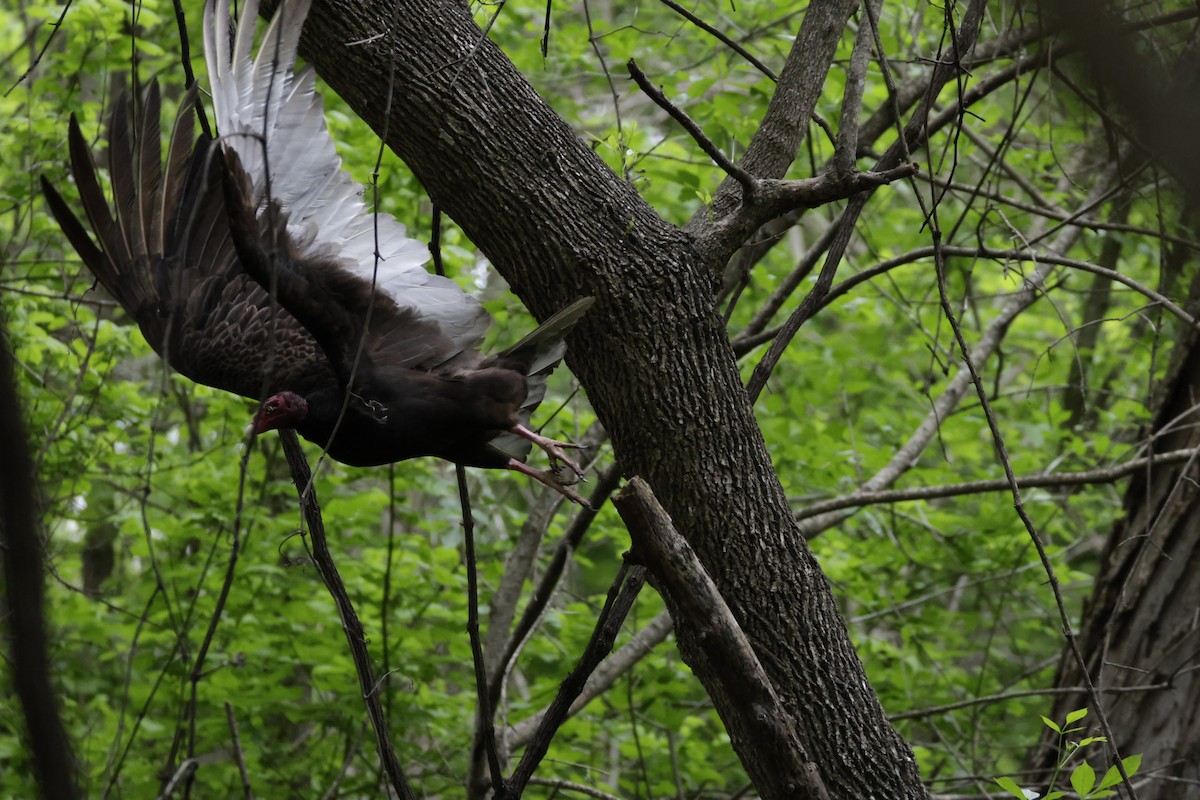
(314,230)
(164,251)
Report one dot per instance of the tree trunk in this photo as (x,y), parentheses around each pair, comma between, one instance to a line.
(1139,632)
(652,354)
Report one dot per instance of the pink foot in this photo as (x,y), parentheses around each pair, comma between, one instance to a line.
(554,449)
(549,478)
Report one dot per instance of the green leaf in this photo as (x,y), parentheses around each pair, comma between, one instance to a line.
(1051,724)
(1113,776)
(1083,779)
(1076,715)
(1010,786)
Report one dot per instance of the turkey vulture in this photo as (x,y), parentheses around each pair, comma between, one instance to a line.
(249,263)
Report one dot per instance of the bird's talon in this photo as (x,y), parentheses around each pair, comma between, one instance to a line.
(566,477)
(558,461)
(565,489)
(551,478)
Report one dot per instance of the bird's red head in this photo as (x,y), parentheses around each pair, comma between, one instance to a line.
(283,410)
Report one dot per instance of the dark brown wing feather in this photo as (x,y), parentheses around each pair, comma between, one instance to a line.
(169,260)
(353,322)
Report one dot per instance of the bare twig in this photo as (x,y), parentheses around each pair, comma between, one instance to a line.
(185,60)
(483,714)
(909,453)
(748,181)
(621,594)
(605,675)
(112,771)
(561,786)
(55,26)
(351,753)
(752,253)
(238,756)
(183,773)
(552,574)
(1002,697)
(871,10)
(608,78)
(518,568)
(1095,701)
(721,37)
(235,546)
(744,343)
(1094,476)
(812,301)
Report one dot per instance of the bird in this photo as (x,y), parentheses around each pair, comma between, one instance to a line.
(252,264)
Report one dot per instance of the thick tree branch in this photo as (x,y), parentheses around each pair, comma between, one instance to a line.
(846,151)
(728,233)
(775,197)
(902,98)
(691,594)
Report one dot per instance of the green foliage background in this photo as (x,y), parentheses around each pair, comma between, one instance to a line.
(144,483)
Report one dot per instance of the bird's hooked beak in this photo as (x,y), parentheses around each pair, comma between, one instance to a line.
(283,410)
(257,423)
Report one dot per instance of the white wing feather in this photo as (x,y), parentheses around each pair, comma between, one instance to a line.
(263,99)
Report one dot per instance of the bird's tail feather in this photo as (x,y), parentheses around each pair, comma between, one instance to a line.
(537,354)
(541,350)
(123,257)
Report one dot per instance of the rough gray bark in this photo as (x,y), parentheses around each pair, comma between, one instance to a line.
(652,353)
(1139,626)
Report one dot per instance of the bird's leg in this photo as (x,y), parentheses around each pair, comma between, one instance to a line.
(553,448)
(549,478)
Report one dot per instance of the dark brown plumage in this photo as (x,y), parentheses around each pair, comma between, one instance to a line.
(383,353)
